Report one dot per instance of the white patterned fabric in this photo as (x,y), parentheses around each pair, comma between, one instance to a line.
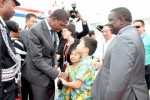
(9,73)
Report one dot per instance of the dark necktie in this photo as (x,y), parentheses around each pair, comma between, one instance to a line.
(54,38)
(51,36)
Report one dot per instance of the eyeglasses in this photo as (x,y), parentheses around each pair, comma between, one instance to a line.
(137,26)
(105,31)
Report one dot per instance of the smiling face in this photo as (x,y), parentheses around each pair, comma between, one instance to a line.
(75,57)
(115,21)
(119,18)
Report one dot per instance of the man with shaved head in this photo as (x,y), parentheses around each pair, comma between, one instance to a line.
(122,76)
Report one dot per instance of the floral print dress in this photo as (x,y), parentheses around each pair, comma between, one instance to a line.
(84,72)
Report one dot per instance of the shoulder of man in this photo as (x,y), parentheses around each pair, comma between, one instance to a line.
(147,34)
(39,26)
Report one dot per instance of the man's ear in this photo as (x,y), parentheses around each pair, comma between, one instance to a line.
(122,20)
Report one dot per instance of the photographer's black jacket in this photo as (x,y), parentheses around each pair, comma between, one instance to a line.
(84,32)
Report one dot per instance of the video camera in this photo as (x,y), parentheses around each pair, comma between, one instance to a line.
(99,27)
(73,12)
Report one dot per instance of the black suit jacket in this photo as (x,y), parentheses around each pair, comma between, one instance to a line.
(5,62)
(5,59)
(84,32)
(24,37)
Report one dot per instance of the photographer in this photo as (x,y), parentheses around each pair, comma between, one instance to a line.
(75,18)
(79,22)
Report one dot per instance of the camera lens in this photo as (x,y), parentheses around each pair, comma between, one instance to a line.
(73,14)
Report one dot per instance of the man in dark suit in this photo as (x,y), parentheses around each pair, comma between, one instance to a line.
(8,60)
(122,76)
(40,70)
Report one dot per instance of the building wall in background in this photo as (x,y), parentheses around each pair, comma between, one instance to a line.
(94,11)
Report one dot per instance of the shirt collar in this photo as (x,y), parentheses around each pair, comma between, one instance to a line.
(49,28)
(3,22)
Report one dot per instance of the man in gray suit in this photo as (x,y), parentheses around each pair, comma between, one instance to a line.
(40,70)
(122,75)
(26,91)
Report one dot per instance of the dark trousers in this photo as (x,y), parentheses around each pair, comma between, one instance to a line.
(42,93)
(26,90)
(7,90)
(147,75)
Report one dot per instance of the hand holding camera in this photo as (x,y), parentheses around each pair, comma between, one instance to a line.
(73,12)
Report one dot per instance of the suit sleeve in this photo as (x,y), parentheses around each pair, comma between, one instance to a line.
(24,38)
(121,68)
(84,32)
(40,62)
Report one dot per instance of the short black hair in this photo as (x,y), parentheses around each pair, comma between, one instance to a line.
(12,26)
(139,20)
(60,14)
(29,15)
(90,43)
(123,12)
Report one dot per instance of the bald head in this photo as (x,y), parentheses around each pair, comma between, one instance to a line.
(119,18)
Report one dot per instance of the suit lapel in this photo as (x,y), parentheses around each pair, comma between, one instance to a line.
(46,32)
(108,51)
